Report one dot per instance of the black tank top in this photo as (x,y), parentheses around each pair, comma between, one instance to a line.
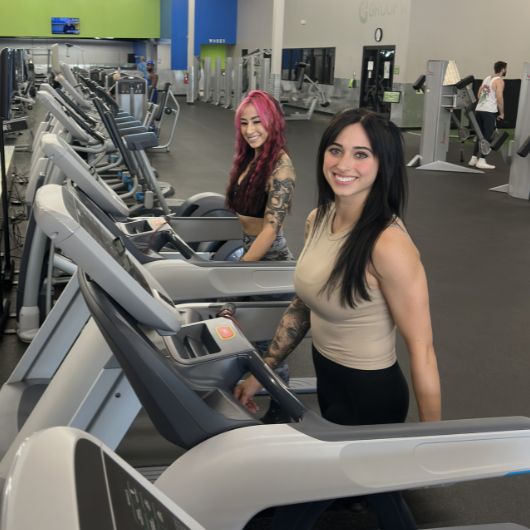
(257,210)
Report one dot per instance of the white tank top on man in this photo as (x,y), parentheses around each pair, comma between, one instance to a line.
(487,101)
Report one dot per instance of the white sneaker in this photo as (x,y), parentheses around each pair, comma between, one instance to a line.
(482,164)
(472,161)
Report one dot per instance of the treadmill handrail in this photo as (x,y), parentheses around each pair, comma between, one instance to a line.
(321,429)
(108,122)
(184,401)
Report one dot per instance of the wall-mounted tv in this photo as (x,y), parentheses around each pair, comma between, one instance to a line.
(65,26)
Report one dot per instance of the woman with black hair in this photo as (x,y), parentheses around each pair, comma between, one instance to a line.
(359,277)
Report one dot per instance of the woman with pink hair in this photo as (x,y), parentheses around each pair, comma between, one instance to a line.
(262,178)
(260,189)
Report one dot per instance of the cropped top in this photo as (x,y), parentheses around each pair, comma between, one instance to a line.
(363,337)
(258,209)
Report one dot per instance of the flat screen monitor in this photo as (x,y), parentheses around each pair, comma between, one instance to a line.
(65,26)
(391,96)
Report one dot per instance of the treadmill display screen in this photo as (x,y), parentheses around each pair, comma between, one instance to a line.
(109,243)
(106,494)
(135,507)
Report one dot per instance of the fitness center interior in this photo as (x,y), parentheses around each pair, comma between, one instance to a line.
(122,338)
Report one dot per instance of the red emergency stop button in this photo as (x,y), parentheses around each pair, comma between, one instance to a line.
(225,332)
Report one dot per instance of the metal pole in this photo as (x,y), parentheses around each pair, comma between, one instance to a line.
(190,95)
(278,15)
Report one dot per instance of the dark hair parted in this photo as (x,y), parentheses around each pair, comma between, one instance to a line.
(260,167)
(386,200)
(498,66)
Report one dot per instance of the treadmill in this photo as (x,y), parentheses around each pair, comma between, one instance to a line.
(184,375)
(68,375)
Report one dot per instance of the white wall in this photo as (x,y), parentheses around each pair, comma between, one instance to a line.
(472,32)
(163,64)
(93,52)
(254,25)
(164,55)
(348,25)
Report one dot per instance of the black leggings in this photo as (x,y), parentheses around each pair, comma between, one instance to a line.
(356,397)
(487,121)
(360,397)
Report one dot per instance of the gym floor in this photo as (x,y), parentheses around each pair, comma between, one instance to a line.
(475,247)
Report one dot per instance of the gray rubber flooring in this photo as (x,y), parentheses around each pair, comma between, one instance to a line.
(475,245)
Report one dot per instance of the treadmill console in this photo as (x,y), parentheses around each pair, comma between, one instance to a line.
(65,479)
(113,245)
(103,257)
(106,492)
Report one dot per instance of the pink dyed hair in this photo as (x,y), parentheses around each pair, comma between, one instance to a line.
(261,167)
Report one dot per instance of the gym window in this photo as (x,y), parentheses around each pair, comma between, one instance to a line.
(321,63)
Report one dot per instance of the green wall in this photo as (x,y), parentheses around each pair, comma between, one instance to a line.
(121,19)
(213,51)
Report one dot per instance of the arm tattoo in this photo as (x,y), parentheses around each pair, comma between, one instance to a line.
(293,327)
(279,202)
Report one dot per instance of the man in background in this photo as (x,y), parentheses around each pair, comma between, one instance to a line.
(490,108)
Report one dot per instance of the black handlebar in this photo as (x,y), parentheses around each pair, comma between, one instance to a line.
(464,82)
(173,239)
(101,94)
(274,386)
(418,85)
(76,107)
(81,123)
(525,148)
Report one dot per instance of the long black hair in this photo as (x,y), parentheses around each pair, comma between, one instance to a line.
(384,203)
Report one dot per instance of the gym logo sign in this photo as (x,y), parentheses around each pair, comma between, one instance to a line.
(376,8)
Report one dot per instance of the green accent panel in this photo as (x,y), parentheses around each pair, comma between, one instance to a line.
(120,19)
(213,51)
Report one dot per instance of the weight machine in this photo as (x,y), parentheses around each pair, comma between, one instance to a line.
(315,95)
(519,183)
(445,91)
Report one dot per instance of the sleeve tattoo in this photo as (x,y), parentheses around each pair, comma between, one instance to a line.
(293,327)
(279,202)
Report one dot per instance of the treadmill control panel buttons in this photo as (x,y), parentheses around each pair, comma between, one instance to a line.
(225,332)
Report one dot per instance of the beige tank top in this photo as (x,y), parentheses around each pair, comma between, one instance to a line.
(363,338)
